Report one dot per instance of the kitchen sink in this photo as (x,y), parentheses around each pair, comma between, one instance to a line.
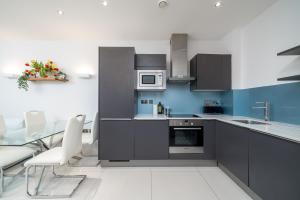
(250,122)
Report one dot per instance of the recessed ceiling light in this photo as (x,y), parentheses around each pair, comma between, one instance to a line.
(60,12)
(163,3)
(218,4)
(104,3)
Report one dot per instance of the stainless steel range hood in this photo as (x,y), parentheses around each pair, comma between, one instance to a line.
(179,66)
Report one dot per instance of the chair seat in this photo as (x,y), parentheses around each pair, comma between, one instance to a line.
(11,155)
(56,140)
(87,138)
(50,157)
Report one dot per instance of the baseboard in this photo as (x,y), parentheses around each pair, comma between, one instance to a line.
(159,163)
(242,185)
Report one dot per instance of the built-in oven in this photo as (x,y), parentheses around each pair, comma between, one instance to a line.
(185,136)
(151,79)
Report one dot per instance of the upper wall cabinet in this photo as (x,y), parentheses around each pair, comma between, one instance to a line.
(212,72)
(151,61)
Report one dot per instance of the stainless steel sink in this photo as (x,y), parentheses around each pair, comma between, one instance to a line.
(250,122)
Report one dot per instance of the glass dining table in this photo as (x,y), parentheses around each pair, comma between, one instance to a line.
(21,137)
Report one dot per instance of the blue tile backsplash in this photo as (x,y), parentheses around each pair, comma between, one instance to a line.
(284,99)
(178,97)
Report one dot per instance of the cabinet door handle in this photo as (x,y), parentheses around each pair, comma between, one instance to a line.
(183,129)
(115,119)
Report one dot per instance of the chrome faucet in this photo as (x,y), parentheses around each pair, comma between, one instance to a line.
(266,107)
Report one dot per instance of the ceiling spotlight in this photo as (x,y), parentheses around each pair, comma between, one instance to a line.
(60,12)
(218,4)
(104,3)
(163,3)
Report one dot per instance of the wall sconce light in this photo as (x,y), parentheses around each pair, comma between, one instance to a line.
(84,76)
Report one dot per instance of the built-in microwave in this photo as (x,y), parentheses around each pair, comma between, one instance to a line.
(151,79)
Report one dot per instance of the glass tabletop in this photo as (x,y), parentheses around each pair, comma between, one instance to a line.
(24,136)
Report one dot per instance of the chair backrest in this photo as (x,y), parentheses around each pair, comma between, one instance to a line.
(34,121)
(72,142)
(95,128)
(2,126)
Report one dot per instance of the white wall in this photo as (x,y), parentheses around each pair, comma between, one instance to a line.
(60,100)
(275,30)
(234,45)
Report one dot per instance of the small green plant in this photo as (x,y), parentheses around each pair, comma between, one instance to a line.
(23,82)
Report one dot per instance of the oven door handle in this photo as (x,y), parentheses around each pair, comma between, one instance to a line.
(190,129)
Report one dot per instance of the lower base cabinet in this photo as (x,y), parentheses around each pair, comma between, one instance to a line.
(116,140)
(151,140)
(209,130)
(270,166)
(232,149)
(134,140)
(274,167)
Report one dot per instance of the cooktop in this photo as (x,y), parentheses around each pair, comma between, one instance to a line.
(184,116)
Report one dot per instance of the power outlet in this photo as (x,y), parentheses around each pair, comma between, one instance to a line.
(144,101)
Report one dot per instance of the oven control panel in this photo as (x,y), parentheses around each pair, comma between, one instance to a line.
(184,122)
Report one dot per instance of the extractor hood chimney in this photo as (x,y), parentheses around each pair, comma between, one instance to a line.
(179,66)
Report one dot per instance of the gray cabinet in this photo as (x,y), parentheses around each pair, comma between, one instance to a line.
(151,61)
(232,149)
(151,140)
(116,82)
(116,140)
(209,143)
(212,72)
(274,167)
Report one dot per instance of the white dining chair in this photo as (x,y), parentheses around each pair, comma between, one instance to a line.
(58,156)
(89,139)
(36,121)
(9,155)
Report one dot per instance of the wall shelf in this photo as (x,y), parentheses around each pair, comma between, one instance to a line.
(47,79)
(290,78)
(290,52)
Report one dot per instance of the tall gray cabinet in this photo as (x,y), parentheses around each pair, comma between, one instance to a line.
(116,83)
(116,102)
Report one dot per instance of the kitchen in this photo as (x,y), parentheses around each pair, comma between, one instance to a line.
(196,100)
(238,145)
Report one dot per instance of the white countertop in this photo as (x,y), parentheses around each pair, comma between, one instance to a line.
(282,130)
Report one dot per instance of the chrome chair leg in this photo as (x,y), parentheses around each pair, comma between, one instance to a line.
(38,196)
(2,181)
(36,190)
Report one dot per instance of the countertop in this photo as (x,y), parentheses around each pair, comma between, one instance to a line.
(281,130)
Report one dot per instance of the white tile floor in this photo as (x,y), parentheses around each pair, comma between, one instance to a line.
(148,183)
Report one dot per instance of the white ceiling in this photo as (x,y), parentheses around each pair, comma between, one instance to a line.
(124,19)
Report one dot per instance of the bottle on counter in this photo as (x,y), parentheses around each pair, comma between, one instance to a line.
(160,108)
